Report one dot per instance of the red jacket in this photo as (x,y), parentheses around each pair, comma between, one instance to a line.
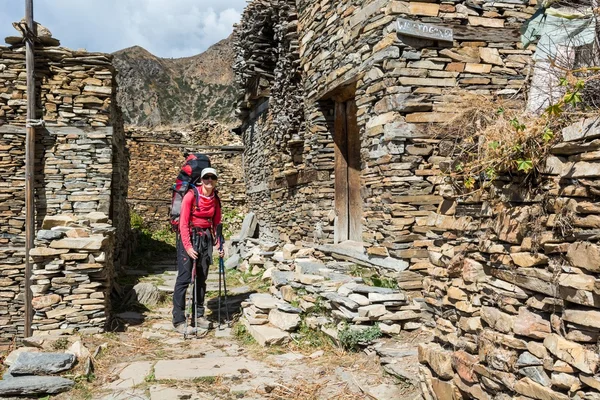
(204,213)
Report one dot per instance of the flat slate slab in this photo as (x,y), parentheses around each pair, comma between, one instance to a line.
(12,357)
(131,375)
(311,267)
(192,368)
(42,363)
(280,278)
(223,333)
(137,394)
(264,301)
(365,289)
(267,335)
(34,385)
(159,392)
(355,252)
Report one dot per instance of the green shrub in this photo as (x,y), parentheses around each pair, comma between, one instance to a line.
(150,242)
(351,338)
(241,333)
(232,221)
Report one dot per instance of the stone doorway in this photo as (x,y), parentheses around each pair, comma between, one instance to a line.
(348,201)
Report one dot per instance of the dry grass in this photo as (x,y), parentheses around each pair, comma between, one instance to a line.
(115,348)
(305,390)
(494,137)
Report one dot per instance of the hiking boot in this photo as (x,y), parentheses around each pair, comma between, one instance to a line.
(203,323)
(180,328)
(185,331)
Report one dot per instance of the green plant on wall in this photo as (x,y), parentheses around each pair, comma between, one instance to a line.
(494,138)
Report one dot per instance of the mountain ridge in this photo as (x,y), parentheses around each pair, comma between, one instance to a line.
(176,91)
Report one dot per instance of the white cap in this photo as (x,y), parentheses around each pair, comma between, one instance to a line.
(207,171)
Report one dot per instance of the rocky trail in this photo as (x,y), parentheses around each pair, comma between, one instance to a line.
(147,359)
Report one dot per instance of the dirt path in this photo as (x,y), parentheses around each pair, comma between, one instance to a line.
(148,360)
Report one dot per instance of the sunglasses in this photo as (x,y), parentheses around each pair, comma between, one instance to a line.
(211,177)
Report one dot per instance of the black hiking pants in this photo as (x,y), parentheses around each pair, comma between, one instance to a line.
(203,244)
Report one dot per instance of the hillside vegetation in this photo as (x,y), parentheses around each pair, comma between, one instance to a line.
(162,91)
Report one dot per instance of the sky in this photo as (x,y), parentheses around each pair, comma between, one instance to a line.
(166,28)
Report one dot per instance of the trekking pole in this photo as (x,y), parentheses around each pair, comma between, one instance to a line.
(194,276)
(219,300)
(190,298)
(222,272)
(191,295)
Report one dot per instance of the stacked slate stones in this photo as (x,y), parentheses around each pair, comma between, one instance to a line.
(266,45)
(72,274)
(301,284)
(516,293)
(76,86)
(75,177)
(80,168)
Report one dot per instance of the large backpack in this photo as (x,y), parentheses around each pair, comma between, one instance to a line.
(187,178)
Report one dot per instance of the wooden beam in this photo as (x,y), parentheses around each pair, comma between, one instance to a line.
(29,163)
(341,172)
(355,211)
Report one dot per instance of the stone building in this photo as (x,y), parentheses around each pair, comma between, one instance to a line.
(339,102)
(82,220)
(336,101)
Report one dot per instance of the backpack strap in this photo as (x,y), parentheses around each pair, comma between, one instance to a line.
(196,195)
(216,193)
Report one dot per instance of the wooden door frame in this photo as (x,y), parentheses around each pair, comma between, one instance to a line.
(340,139)
(347,145)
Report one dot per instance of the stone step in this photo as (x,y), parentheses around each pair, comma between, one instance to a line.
(192,368)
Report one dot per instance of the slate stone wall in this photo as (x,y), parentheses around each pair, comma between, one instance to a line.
(156,157)
(400,84)
(513,285)
(81,175)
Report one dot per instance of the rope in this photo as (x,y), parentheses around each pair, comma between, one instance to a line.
(32,123)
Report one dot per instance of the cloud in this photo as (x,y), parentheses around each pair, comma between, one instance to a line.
(166,28)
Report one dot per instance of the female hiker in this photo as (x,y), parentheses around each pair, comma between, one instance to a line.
(200,215)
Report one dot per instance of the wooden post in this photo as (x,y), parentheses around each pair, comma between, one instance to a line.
(340,138)
(29,162)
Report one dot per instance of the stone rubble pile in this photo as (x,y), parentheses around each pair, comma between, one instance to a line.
(72,274)
(33,369)
(516,293)
(325,296)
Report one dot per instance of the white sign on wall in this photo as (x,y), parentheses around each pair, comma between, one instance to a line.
(421,30)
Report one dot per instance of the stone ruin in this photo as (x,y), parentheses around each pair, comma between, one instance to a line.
(82,219)
(156,156)
(507,285)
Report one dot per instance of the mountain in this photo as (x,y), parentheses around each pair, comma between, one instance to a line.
(176,91)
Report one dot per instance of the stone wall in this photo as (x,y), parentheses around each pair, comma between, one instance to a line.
(513,284)
(73,88)
(400,85)
(156,156)
(72,274)
(81,168)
